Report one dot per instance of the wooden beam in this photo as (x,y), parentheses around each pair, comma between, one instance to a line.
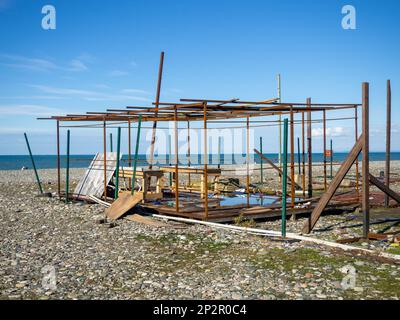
(365,157)
(309,148)
(380,185)
(292,189)
(327,196)
(388,133)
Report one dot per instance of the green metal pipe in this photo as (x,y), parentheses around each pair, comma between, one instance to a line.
(111,142)
(33,164)
(261,163)
(67,171)
(117,168)
(135,159)
(284,176)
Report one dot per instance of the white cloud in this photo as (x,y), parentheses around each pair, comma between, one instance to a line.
(44,65)
(89,95)
(28,110)
(332,132)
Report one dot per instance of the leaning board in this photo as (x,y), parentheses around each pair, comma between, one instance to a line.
(92,183)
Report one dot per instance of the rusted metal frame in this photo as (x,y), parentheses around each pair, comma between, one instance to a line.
(153,135)
(388,136)
(261,102)
(388,192)
(292,178)
(309,148)
(365,159)
(324,137)
(303,180)
(58,160)
(205,162)
(334,185)
(176,162)
(248,160)
(105,158)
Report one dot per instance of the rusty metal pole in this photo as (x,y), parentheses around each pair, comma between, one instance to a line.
(388,138)
(176,159)
(303,155)
(293,190)
(58,160)
(153,136)
(309,148)
(357,165)
(105,158)
(365,158)
(188,151)
(325,180)
(129,143)
(248,160)
(205,161)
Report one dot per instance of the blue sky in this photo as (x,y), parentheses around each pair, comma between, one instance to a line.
(105,54)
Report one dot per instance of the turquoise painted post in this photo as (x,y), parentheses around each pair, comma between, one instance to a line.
(67,170)
(33,164)
(117,167)
(284,176)
(111,143)
(261,163)
(135,159)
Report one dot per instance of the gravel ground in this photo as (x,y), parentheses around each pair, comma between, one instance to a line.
(42,238)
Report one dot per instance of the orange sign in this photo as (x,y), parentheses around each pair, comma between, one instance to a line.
(328,153)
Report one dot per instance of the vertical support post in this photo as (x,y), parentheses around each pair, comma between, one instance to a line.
(111,142)
(205,161)
(280,122)
(303,180)
(135,158)
(117,166)
(58,160)
(293,190)
(188,151)
(67,170)
(248,160)
(298,155)
(309,148)
(219,152)
(365,157)
(153,136)
(331,160)
(105,158)
(356,138)
(176,158)
(33,164)
(170,157)
(129,143)
(388,133)
(325,180)
(284,177)
(261,164)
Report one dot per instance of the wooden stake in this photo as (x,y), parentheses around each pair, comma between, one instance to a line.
(105,159)
(365,158)
(176,159)
(248,161)
(303,185)
(325,179)
(205,162)
(356,138)
(58,160)
(388,133)
(293,190)
(309,149)
(188,150)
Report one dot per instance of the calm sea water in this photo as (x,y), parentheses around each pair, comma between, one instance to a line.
(16,162)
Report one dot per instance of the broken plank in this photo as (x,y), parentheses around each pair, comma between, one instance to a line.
(146,220)
(123,204)
(275,167)
(327,196)
(392,194)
